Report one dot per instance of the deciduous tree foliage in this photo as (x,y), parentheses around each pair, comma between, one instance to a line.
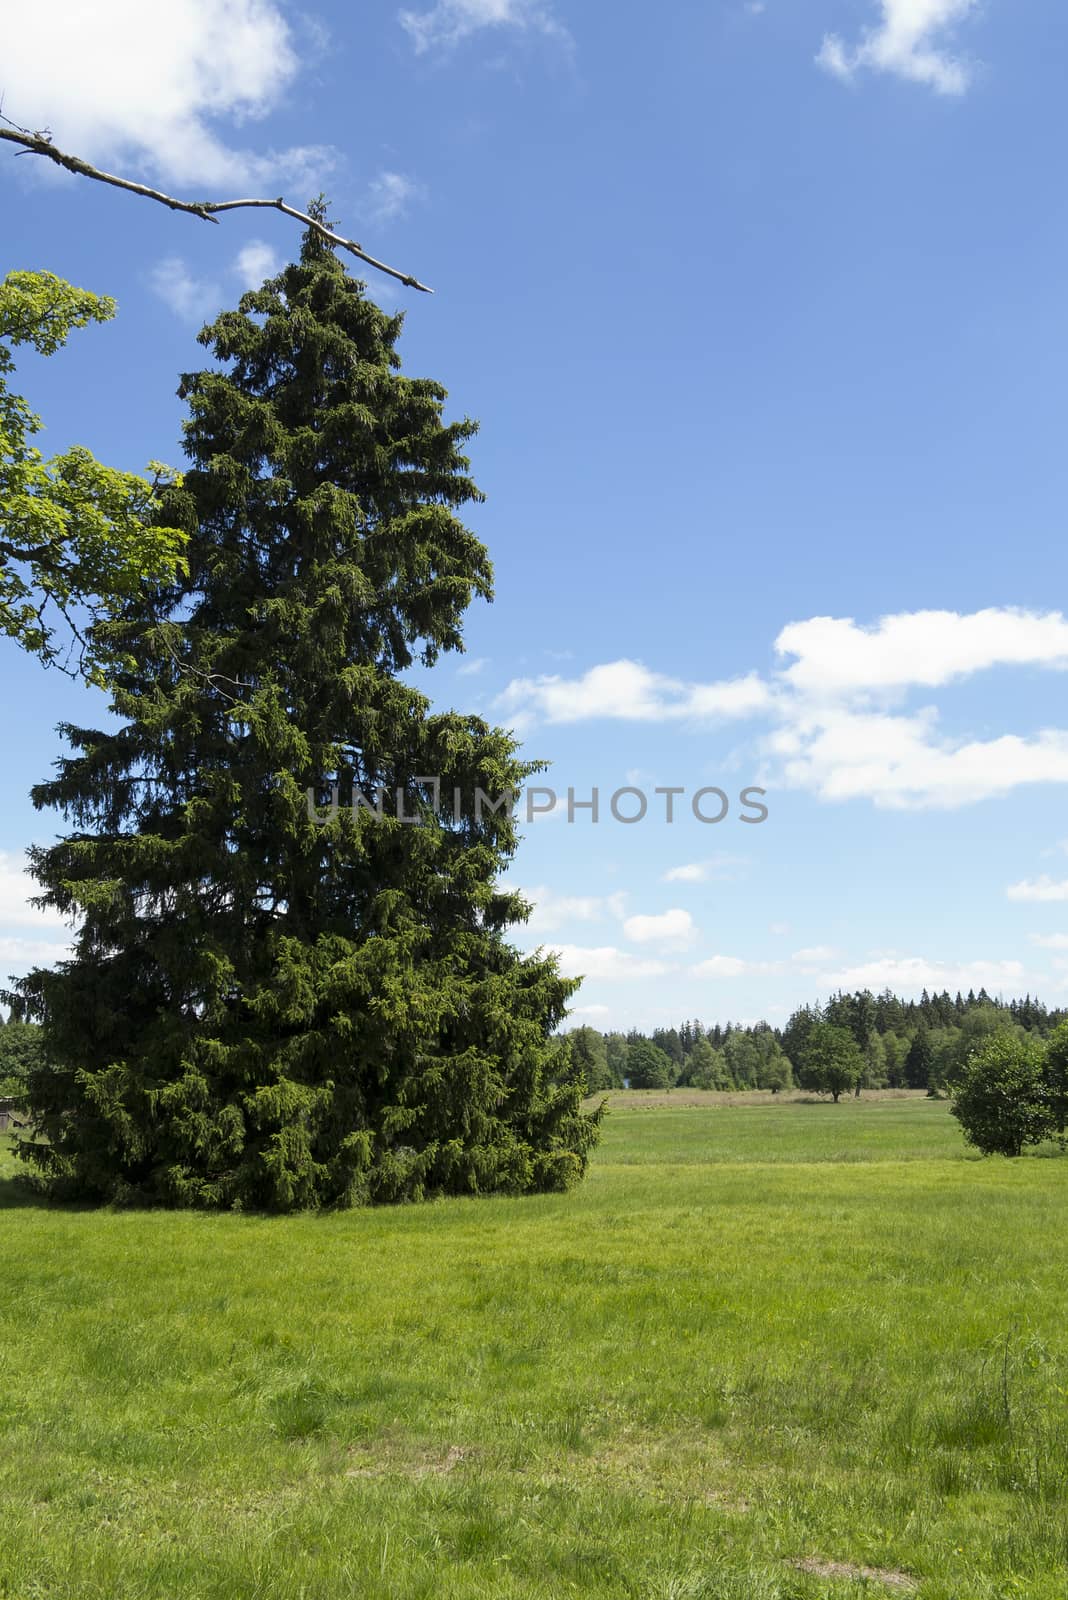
(265,1009)
(1002,1097)
(832,1062)
(77,538)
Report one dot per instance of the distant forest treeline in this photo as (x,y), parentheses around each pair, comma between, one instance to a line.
(905,1044)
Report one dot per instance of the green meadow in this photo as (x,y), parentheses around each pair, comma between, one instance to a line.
(767,1351)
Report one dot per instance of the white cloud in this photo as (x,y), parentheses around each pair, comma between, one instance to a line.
(916,649)
(122,82)
(190,298)
(1042,889)
(553,911)
(471,669)
(16,887)
(37,947)
(388,196)
(450,21)
(673,929)
(910,975)
(33,952)
(628,691)
(908,41)
(606,963)
(721,866)
(816,955)
(589,1011)
(897,761)
(837,727)
(254,262)
(1050,941)
(734,967)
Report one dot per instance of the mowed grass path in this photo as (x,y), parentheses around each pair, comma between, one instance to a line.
(757,1336)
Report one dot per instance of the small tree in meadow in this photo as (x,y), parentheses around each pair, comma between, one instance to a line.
(648,1067)
(1002,1097)
(832,1062)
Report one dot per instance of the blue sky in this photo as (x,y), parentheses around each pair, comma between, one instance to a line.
(762,310)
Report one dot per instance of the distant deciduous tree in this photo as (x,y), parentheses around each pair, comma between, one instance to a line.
(832,1062)
(647,1066)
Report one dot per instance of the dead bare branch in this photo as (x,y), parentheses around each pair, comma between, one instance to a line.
(40,143)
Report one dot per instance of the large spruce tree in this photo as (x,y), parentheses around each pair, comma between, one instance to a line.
(269,1006)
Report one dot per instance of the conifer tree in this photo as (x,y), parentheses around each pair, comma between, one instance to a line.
(269,1004)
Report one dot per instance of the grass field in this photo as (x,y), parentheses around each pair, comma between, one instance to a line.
(766,1352)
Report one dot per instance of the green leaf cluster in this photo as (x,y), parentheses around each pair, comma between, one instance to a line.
(78,539)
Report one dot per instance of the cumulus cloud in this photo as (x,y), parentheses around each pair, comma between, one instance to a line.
(838,728)
(900,762)
(916,649)
(119,82)
(449,22)
(606,962)
(815,955)
(910,41)
(628,691)
(674,929)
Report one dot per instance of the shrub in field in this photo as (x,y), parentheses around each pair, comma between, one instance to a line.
(1001,1098)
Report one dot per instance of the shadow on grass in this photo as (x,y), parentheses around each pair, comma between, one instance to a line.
(21,1189)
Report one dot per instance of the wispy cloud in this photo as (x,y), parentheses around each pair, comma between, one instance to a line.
(552,911)
(734,967)
(192,299)
(910,41)
(254,262)
(910,975)
(1041,890)
(449,22)
(114,88)
(722,866)
(388,196)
